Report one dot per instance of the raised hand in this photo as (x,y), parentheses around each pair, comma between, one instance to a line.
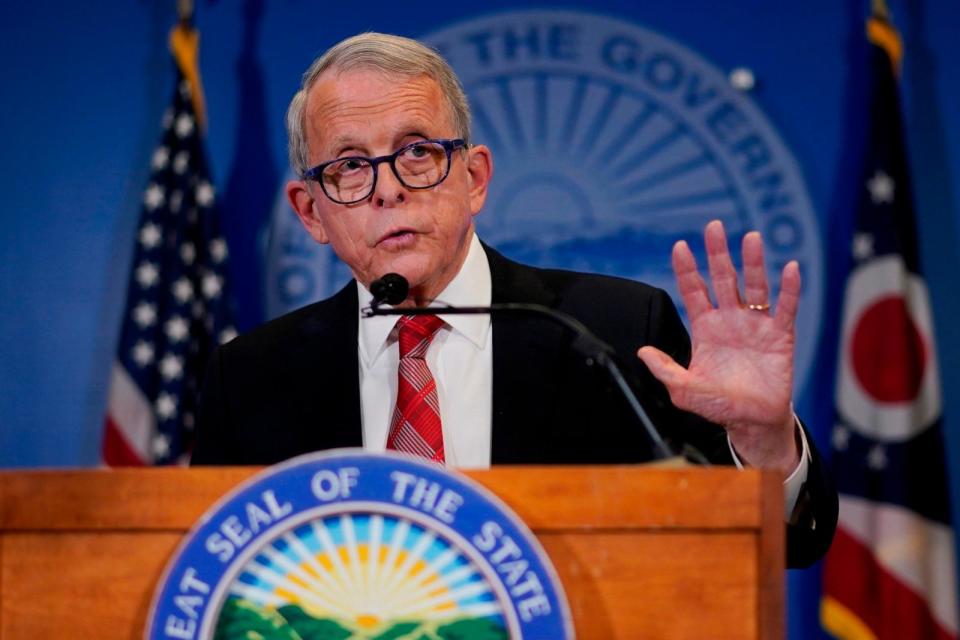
(741,370)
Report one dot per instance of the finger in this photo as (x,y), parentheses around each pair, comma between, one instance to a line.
(789,300)
(663,367)
(693,290)
(755,287)
(723,276)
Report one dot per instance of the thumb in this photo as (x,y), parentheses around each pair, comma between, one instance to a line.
(663,367)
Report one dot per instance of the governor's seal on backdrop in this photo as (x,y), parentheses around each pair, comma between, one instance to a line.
(345,544)
(610,143)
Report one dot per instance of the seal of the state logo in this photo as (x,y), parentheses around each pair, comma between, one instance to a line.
(352,545)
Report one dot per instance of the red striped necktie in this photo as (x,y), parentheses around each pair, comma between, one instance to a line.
(416,426)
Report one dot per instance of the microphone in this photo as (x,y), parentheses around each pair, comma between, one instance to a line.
(393,289)
(390,289)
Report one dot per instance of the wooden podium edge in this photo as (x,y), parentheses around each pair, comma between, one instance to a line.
(771,585)
(175,498)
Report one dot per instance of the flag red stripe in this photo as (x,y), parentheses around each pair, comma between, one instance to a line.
(894,611)
(117,452)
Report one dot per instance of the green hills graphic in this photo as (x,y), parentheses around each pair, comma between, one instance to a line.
(241,619)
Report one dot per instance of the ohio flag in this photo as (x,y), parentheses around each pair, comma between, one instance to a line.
(177,308)
(891,570)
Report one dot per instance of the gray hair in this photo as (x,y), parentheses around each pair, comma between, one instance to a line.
(389,54)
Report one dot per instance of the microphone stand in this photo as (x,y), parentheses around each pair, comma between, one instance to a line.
(593,349)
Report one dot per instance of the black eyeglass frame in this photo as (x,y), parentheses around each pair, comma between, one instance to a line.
(449,145)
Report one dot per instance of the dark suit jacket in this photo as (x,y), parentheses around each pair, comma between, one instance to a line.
(292,386)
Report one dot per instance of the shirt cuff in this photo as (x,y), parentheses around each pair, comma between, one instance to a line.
(794,482)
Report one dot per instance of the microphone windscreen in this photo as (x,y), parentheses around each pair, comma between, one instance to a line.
(390,289)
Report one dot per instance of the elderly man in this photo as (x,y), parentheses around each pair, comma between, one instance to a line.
(380,135)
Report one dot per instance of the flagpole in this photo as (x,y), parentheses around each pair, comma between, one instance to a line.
(185,46)
(880,10)
(185,13)
(881,32)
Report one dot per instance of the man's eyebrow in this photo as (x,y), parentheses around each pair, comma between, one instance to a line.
(347,143)
(344,143)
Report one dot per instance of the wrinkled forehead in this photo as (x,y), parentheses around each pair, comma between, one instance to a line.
(362,102)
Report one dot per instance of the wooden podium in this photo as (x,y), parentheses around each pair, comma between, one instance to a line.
(642,552)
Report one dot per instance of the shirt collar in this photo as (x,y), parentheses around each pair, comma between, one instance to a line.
(470,287)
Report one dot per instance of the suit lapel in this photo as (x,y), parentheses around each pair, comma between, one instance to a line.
(331,385)
(523,350)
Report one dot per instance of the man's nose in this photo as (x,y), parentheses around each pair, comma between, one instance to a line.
(389,191)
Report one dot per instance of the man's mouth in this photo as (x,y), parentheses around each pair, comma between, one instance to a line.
(397,238)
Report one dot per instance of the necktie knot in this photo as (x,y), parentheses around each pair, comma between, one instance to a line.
(416,334)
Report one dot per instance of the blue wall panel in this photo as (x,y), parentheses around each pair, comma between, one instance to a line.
(84,85)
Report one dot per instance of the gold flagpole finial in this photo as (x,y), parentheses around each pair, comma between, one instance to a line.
(881,32)
(185,46)
(185,12)
(881,10)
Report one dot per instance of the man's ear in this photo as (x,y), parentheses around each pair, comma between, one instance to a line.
(302,202)
(479,172)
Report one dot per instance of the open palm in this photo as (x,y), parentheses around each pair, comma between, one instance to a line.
(741,370)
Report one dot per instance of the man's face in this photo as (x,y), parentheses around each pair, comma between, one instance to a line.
(423,235)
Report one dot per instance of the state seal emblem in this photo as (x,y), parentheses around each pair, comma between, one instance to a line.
(345,544)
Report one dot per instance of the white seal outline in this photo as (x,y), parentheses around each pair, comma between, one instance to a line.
(344,455)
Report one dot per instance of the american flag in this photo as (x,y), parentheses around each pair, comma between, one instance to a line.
(891,570)
(177,307)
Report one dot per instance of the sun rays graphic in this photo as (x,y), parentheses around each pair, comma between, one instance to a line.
(596,155)
(368,572)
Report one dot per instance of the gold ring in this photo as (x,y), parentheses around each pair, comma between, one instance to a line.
(759,307)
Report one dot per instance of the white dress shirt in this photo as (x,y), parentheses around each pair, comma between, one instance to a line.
(461,360)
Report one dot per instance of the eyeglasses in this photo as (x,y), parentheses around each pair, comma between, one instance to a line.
(419,165)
